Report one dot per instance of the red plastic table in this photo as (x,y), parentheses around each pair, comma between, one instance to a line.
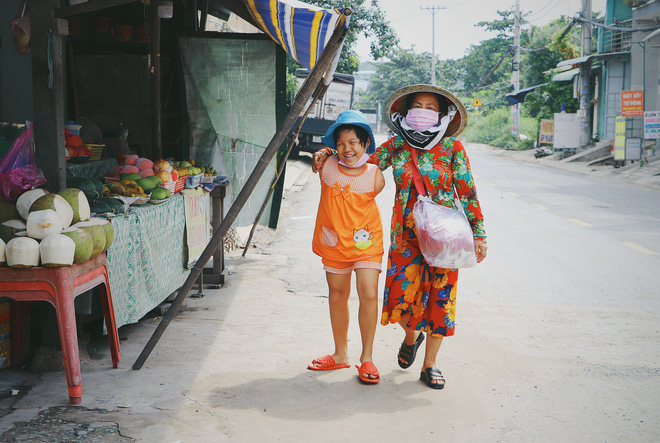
(60,286)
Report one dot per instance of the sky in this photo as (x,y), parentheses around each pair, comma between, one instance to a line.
(454,26)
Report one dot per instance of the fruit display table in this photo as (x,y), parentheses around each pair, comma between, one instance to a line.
(146,260)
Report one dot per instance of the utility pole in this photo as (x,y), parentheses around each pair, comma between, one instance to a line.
(515,71)
(433,10)
(585,78)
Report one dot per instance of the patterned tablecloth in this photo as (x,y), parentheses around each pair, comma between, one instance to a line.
(146,260)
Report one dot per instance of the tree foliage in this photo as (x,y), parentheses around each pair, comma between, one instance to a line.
(368,20)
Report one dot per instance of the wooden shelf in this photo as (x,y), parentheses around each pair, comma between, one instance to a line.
(92,6)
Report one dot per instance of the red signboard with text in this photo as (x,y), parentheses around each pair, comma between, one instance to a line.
(632,103)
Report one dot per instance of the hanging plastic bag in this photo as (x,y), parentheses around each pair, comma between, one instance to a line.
(445,236)
(18,168)
(20,29)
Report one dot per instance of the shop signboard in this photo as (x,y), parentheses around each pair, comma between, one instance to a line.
(652,124)
(620,138)
(633,148)
(632,103)
(197,223)
(547,132)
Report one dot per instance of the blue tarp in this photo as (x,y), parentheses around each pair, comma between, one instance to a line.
(302,30)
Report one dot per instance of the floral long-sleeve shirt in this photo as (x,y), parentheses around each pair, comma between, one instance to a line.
(444,165)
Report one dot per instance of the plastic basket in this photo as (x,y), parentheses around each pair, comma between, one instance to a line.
(193,180)
(171,185)
(180,183)
(97,151)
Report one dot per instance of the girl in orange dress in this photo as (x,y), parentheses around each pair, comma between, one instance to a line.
(349,237)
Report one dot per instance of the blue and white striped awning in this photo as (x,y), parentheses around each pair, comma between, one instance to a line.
(302,30)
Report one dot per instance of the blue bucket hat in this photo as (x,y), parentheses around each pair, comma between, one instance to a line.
(350,117)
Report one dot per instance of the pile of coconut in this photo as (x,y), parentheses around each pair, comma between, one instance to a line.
(54,230)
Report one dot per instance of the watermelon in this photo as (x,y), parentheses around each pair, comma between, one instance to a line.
(99,186)
(116,205)
(85,185)
(97,206)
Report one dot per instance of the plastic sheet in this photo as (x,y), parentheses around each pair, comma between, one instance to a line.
(445,236)
(18,168)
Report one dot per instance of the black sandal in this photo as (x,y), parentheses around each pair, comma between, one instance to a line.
(408,352)
(432,375)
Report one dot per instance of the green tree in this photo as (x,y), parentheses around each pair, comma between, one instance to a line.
(367,19)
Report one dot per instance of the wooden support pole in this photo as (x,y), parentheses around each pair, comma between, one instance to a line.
(47,87)
(306,90)
(318,93)
(154,56)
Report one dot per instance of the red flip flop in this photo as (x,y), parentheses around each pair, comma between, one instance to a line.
(368,368)
(326,363)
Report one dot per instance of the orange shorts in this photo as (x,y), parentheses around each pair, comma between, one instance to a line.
(340,267)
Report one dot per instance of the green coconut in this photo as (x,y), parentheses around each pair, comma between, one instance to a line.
(2,253)
(22,252)
(98,235)
(58,204)
(10,228)
(57,250)
(107,227)
(26,199)
(83,241)
(78,202)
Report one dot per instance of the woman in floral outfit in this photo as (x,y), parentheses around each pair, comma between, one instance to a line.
(419,297)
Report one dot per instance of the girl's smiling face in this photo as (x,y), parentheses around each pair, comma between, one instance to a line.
(349,147)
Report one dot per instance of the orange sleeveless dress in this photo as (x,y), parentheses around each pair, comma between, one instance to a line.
(349,226)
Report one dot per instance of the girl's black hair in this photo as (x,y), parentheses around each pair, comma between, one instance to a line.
(442,101)
(361,133)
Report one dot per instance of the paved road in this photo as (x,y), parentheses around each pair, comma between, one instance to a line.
(557,337)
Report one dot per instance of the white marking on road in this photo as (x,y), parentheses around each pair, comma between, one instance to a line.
(513,194)
(538,206)
(302,217)
(638,248)
(580,223)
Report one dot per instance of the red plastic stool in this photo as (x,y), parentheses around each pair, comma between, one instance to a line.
(60,286)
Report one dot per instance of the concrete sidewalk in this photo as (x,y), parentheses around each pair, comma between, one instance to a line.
(646,176)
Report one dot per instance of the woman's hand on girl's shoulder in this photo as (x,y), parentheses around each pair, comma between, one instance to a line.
(318,160)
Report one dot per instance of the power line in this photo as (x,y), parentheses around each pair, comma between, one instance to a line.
(433,10)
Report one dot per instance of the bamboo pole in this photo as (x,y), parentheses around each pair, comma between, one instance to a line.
(315,76)
(318,93)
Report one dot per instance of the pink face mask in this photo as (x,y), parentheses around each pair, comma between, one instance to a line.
(360,162)
(422,119)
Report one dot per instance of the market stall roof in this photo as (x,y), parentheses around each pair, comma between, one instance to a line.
(516,97)
(302,30)
(607,55)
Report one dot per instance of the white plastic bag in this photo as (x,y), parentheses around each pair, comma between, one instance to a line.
(445,236)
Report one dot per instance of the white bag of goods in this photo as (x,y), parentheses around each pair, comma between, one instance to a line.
(83,241)
(78,202)
(22,252)
(26,199)
(58,204)
(41,224)
(98,235)
(57,250)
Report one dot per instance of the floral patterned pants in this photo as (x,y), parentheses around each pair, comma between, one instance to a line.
(413,287)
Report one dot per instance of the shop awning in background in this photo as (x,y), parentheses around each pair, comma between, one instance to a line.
(301,29)
(516,97)
(604,56)
(566,76)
